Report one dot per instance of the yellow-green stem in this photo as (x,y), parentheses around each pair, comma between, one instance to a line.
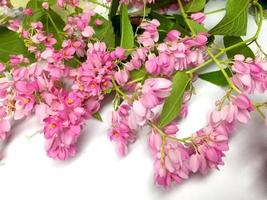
(186,18)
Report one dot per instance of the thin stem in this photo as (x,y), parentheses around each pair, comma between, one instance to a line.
(215,11)
(118,90)
(223,71)
(257,108)
(186,18)
(77,60)
(55,26)
(143,19)
(260,48)
(164,135)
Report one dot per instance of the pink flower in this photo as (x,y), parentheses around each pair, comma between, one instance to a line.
(2,68)
(154,91)
(138,59)
(198,17)
(56,149)
(62,3)
(52,127)
(119,53)
(121,77)
(88,32)
(4,128)
(250,75)
(14,24)
(171,160)
(150,35)
(152,66)
(98,22)
(244,106)
(27,12)
(121,133)
(16,59)
(210,146)
(24,106)
(45,5)
(72,100)
(173,35)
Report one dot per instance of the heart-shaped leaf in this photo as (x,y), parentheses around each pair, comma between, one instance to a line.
(11,43)
(243,49)
(234,22)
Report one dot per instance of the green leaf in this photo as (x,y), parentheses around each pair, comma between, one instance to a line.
(98,116)
(127,35)
(73,63)
(216,77)
(53,23)
(173,103)
(195,6)
(243,49)
(11,43)
(198,28)
(234,22)
(113,8)
(105,31)
(263,3)
(139,74)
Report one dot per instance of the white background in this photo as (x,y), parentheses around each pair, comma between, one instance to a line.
(97,172)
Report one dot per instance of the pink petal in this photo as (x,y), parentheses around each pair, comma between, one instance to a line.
(194,163)
(5,125)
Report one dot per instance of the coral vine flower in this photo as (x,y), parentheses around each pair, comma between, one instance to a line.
(72,64)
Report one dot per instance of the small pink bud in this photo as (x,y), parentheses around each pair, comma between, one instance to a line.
(27,11)
(198,17)
(88,31)
(173,35)
(119,53)
(45,5)
(194,163)
(2,67)
(121,77)
(98,22)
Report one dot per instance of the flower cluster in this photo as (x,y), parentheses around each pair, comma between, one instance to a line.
(61,97)
(176,159)
(136,113)
(64,66)
(175,53)
(250,74)
(72,3)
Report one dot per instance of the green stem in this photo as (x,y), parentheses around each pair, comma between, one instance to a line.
(55,26)
(224,50)
(215,11)
(257,108)
(260,48)
(223,71)
(186,18)
(164,135)
(118,90)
